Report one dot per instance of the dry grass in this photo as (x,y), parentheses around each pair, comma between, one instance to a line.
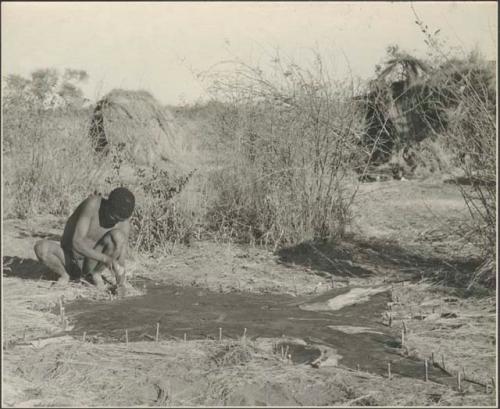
(185,373)
(69,372)
(443,323)
(49,162)
(33,317)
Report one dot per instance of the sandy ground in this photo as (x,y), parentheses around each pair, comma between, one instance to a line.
(404,237)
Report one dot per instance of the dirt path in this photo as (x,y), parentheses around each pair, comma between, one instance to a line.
(403,231)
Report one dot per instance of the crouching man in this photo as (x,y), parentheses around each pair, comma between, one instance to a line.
(95,236)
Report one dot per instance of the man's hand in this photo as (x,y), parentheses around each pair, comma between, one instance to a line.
(108,261)
(120,274)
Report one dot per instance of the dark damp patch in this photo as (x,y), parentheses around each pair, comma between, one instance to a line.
(200,314)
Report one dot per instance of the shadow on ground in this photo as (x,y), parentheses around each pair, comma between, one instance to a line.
(358,257)
(40,235)
(470,181)
(26,268)
(326,258)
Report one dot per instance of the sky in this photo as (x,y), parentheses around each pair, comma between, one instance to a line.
(161,46)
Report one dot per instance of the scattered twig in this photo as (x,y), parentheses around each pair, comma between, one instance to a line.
(85,282)
(357,399)
(147,353)
(98,364)
(441,366)
(61,310)
(473,380)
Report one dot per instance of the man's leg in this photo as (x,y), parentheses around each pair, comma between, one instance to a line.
(51,254)
(111,244)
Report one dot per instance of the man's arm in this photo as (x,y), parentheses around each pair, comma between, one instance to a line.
(80,242)
(119,266)
(125,228)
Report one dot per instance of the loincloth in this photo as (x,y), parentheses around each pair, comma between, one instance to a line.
(73,262)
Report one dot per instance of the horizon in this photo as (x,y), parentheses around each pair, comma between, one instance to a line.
(122,45)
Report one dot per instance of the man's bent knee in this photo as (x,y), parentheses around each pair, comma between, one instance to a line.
(113,241)
(113,238)
(42,249)
(118,237)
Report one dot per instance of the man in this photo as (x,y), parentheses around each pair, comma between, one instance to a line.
(96,236)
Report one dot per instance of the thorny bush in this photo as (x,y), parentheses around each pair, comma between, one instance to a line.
(286,145)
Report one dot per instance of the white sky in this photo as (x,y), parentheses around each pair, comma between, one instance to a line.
(157,46)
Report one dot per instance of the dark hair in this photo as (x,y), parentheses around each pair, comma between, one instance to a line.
(121,202)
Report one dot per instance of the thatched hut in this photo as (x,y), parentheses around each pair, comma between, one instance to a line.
(400,110)
(137,124)
(409,102)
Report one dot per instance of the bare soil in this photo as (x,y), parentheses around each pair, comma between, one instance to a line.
(405,236)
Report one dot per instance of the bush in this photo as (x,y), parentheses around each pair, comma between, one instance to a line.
(49,161)
(159,220)
(285,146)
(464,90)
(472,137)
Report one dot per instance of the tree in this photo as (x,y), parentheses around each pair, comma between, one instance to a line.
(45,89)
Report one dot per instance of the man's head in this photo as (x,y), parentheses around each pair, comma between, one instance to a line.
(120,204)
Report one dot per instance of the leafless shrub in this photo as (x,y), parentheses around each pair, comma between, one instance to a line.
(286,142)
(471,136)
(464,92)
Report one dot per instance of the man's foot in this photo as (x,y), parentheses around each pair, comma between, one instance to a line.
(121,291)
(120,274)
(62,281)
(99,283)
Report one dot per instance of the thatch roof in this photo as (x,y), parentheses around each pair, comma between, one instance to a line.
(398,108)
(135,122)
